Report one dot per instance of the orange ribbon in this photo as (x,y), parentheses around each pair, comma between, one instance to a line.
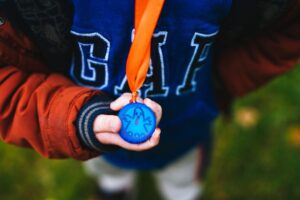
(146,16)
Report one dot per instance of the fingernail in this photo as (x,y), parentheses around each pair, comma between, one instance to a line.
(159,133)
(149,100)
(112,104)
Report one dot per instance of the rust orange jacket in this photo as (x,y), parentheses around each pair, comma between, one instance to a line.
(38,108)
(252,62)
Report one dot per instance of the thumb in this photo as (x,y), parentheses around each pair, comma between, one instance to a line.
(107,123)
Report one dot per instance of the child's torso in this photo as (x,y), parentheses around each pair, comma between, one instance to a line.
(179,77)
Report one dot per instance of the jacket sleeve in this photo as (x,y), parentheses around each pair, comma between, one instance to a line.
(38,109)
(245,66)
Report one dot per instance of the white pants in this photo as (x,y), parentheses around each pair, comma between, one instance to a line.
(179,180)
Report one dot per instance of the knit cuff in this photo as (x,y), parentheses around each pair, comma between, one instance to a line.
(96,106)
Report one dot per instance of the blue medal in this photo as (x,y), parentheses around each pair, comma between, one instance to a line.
(138,123)
(138,120)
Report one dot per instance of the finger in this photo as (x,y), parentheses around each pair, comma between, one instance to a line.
(115,139)
(123,100)
(107,123)
(155,107)
(152,142)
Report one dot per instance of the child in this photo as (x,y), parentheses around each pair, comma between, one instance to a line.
(179,79)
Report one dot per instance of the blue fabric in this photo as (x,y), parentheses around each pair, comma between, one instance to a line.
(179,78)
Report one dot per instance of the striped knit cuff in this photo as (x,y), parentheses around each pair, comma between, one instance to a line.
(87,114)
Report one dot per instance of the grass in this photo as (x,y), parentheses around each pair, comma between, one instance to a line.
(256,156)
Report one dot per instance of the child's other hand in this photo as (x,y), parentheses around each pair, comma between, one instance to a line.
(107,127)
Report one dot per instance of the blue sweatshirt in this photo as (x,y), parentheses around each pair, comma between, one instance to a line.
(179,76)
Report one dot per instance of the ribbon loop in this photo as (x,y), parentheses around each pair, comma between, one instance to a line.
(146,16)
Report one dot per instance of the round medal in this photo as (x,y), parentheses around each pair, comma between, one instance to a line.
(138,123)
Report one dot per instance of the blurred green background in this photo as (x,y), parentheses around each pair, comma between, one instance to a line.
(256,156)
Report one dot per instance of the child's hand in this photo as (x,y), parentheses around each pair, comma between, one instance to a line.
(107,127)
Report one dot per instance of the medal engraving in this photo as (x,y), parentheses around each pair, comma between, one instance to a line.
(138,123)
